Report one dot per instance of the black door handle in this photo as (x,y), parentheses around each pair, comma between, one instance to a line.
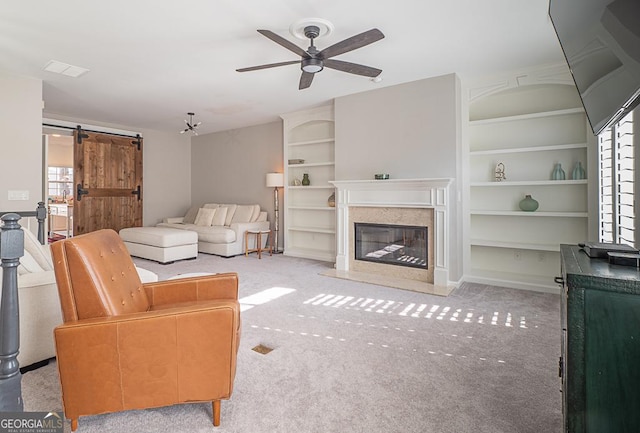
(80,192)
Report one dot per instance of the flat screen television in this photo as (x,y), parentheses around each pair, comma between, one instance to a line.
(601,43)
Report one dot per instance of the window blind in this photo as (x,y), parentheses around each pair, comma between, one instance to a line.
(617,182)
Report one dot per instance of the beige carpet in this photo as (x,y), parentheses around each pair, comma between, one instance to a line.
(356,357)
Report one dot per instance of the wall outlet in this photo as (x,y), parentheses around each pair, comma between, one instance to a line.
(541,257)
(517,255)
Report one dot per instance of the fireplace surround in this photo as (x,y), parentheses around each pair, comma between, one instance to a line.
(415,202)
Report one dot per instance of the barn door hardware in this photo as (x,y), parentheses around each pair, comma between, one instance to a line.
(80,134)
(80,192)
(137,141)
(137,192)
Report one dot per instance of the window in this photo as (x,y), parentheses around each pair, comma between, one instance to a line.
(616,158)
(59,182)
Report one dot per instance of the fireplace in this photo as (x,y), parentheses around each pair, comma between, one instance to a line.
(390,244)
(422,203)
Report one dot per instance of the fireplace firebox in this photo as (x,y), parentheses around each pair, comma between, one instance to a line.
(390,244)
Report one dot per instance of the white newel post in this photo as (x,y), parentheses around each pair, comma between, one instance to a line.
(399,193)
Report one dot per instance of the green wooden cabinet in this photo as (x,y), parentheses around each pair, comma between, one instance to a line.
(600,362)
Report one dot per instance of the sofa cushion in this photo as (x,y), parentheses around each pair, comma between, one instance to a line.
(205,217)
(220,217)
(190,217)
(262,216)
(215,234)
(231,209)
(210,205)
(243,214)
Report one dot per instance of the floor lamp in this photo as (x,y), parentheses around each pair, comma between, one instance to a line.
(275,181)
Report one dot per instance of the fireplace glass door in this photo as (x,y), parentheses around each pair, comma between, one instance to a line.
(391,244)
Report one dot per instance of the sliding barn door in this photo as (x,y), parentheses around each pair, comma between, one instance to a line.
(108,182)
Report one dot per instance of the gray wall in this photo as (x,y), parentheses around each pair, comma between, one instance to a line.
(230,166)
(21,144)
(410,131)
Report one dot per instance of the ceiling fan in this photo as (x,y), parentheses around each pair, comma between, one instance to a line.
(190,125)
(313,61)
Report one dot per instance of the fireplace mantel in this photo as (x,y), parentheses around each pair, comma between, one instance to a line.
(401,193)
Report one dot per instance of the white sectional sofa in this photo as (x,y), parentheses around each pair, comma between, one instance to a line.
(221,227)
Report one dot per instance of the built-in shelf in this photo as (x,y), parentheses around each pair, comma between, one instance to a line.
(536,214)
(329,186)
(515,245)
(529,149)
(507,246)
(305,143)
(508,183)
(536,115)
(314,208)
(309,223)
(312,164)
(313,230)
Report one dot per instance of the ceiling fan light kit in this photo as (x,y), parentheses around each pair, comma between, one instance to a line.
(313,61)
(190,125)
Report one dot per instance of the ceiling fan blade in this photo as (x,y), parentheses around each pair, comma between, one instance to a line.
(305,80)
(352,68)
(285,43)
(270,65)
(352,43)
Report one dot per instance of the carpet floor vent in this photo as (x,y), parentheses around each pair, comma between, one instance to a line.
(261,348)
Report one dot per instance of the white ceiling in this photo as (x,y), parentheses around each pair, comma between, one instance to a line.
(151,62)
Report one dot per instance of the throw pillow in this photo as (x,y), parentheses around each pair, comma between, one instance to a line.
(220,217)
(190,217)
(204,217)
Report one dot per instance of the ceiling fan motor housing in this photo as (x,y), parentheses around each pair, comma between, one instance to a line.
(312,32)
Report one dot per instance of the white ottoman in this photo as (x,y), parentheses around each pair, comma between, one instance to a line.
(162,244)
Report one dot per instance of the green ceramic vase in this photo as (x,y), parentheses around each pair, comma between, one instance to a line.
(305,180)
(528,204)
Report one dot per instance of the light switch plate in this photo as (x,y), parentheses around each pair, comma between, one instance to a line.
(18,195)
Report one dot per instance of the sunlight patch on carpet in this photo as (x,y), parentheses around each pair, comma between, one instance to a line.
(263,297)
(434,311)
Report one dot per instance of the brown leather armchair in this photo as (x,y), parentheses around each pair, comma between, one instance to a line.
(128,345)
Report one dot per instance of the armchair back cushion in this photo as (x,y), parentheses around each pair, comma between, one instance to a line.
(102,267)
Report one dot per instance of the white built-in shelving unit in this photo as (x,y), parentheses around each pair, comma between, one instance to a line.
(528,129)
(309,222)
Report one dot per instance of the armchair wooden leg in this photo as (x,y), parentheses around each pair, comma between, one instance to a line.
(216,412)
(74,424)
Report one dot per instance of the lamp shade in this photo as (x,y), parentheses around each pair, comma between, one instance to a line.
(275,180)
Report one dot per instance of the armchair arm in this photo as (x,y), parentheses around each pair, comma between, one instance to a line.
(148,359)
(211,287)
(173,220)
